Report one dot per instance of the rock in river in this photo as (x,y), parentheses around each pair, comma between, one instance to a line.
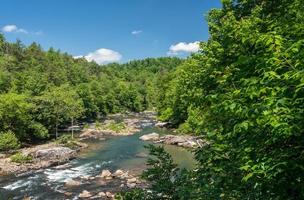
(72,183)
(180,140)
(105,174)
(150,137)
(132,180)
(85,194)
(118,173)
(56,152)
(161,124)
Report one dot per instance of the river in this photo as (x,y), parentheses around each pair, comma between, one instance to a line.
(116,152)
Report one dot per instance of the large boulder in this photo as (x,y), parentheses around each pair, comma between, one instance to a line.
(102,194)
(161,124)
(109,195)
(72,183)
(132,180)
(131,185)
(175,139)
(105,173)
(150,137)
(55,152)
(85,194)
(188,144)
(90,133)
(118,173)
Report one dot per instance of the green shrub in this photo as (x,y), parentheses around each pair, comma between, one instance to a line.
(8,141)
(39,131)
(184,128)
(86,126)
(116,126)
(166,115)
(67,141)
(20,158)
(97,125)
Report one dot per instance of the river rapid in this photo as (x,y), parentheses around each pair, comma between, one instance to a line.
(116,152)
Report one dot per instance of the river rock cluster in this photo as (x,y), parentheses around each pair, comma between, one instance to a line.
(186,141)
(43,156)
(123,179)
(133,123)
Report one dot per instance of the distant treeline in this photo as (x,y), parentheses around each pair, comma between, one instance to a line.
(42,90)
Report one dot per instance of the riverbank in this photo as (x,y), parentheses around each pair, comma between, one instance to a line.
(119,125)
(53,154)
(80,175)
(119,180)
(39,157)
(186,141)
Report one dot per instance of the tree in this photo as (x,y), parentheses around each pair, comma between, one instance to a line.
(58,105)
(16,116)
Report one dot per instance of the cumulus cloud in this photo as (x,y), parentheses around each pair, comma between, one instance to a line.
(180,47)
(136,32)
(102,56)
(11,28)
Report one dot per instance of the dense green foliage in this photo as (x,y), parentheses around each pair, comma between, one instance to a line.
(8,141)
(42,91)
(244,92)
(20,158)
(68,141)
(116,126)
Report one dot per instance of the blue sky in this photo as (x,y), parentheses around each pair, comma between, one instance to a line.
(123,30)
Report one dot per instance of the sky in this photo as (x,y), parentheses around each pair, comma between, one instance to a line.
(109,30)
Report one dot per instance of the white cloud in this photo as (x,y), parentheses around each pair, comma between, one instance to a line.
(81,56)
(190,47)
(38,33)
(136,32)
(11,28)
(102,56)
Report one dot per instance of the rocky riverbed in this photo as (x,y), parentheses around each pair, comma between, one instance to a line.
(119,125)
(186,141)
(123,180)
(42,156)
(112,162)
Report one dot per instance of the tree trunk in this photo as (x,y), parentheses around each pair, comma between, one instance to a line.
(56,130)
(56,127)
(72,127)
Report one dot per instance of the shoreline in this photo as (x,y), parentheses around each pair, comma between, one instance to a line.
(52,154)
(43,156)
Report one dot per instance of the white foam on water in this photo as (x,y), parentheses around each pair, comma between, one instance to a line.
(107,162)
(61,175)
(65,175)
(18,184)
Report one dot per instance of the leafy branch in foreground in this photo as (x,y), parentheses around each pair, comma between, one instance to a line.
(166,180)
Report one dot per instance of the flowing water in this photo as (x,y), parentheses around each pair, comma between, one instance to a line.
(117,152)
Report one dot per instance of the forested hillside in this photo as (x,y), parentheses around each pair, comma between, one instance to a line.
(243,92)
(43,90)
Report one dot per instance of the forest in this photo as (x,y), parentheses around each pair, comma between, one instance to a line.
(243,92)
(42,91)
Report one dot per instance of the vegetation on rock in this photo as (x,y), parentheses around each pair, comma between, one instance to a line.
(20,158)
